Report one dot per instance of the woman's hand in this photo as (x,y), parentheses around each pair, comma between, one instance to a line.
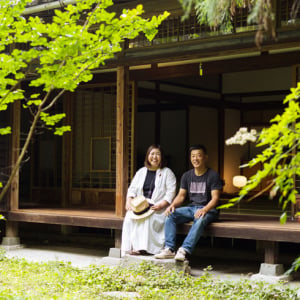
(128,203)
(157,207)
(161,205)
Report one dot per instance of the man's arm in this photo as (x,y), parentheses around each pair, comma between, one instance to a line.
(215,196)
(176,202)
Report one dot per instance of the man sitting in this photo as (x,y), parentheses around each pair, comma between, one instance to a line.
(203,186)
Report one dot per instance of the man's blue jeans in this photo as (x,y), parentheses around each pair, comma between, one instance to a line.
(183,215)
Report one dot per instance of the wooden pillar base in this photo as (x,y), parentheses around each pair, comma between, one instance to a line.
(271,273)
(270,270)
(11,239)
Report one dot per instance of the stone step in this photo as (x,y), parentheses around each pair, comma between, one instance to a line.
(115,258)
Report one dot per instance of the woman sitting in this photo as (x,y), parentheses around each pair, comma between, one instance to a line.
(151,190)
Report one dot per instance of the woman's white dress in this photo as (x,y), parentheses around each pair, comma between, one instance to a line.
(148,233)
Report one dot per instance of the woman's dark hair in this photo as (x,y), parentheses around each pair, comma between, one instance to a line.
(163,162)
(198,147)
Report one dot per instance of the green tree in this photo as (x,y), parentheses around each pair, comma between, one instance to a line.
(219,13)
(280,156)
(58,55)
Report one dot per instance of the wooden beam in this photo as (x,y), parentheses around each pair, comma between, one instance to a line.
(219,66)
(122,139)
(15,150)
(75,220)
(176,98)
(151,7)
(262,228)
(207,49)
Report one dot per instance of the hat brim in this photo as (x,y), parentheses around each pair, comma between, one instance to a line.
(148,213)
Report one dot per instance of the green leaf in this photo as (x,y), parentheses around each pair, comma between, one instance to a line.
(51,120)
(6,130)
(34,102)
(227,205)
(62,130)
(283,218)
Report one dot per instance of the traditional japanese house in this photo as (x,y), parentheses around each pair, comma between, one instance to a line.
(191,84)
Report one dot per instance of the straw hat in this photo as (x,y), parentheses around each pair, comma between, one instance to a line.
(141,208)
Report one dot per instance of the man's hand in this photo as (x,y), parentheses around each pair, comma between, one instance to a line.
(169,210)
(201,212)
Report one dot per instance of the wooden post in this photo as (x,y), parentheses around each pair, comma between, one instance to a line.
(221,131)
(11,229)
(15,150)
(157,114)
(295,207)
(67,154)
(122,139)
(66,197)
(118,238)
(271,252)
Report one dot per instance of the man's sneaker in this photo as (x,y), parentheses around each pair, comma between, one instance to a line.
(180,255)
(165,253)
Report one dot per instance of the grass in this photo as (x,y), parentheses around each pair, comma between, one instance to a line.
(20,279)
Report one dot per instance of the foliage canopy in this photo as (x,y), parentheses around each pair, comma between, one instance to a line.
(54,57)
(280,156)
(220,13)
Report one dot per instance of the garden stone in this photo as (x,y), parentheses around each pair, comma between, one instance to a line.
(121,295)
(169,264)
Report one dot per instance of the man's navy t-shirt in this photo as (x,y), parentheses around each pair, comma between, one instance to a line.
(199,187)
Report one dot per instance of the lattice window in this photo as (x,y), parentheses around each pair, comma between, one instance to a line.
(94,119)
(174,30)
(289,14)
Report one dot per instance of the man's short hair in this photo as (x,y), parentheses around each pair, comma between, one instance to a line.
(198,147)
